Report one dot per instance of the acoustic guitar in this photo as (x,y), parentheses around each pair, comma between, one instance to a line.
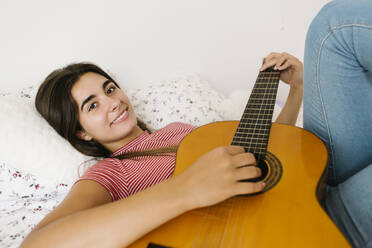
(286,214)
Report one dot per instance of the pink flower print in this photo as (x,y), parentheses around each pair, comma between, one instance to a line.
(38,208)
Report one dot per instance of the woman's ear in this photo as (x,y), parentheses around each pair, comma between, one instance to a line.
(83,135)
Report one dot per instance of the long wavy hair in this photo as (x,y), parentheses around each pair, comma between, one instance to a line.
(55,103)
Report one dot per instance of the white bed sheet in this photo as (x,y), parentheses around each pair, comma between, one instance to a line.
(24,201)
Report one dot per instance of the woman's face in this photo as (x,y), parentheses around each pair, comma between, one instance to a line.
(105,112)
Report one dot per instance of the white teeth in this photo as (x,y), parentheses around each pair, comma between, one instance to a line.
(120,117)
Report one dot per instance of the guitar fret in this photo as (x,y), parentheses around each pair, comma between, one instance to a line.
(256,141)
(267,94)
(266,84)
(264,90)
(258,98)
(257,115)
(272,103)
(253,116)
(249,145)
(253,135)
(255,128)
(254,122)
(258,107)
(247,136)
(250,139)
(269,72)
(251,128)
(263,77)
(266,80)
(257,111)
(258,131)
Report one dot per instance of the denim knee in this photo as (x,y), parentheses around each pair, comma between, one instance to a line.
(343,12)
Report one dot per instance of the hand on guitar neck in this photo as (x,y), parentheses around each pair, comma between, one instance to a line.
(291,73)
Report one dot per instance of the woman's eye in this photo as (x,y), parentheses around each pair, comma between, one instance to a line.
(110,90)
(92,106)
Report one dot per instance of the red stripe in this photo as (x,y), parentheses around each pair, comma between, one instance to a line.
(129,176)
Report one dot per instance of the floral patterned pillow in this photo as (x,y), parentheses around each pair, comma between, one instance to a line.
(188,100)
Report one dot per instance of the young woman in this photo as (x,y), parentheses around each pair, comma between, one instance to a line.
(88,108)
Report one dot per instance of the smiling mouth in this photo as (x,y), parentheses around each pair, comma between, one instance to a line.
(121,116)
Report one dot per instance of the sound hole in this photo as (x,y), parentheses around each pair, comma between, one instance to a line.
(264,171)
(272,172)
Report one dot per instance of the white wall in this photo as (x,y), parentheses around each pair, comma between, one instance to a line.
(143,42)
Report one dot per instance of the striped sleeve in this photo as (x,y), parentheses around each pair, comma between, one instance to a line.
(107,173)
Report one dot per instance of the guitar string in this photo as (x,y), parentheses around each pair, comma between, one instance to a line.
(254,131)
(274,80)
(235,224)
(219,217)
(201,226)
(239,206)
(266,94)
(243,223)
(265,98)
(210,224)
(260,110)
(218,232)
(216,207)
(227,221)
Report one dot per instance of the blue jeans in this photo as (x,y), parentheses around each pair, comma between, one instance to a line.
(338,109)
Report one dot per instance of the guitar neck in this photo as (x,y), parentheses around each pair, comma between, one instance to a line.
(254,127)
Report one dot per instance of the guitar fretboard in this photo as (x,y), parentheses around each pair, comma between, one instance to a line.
(254,127)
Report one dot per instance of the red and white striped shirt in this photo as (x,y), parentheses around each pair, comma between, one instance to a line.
(125,177)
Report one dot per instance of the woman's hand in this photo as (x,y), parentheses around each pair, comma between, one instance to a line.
(291,68)
(215,176)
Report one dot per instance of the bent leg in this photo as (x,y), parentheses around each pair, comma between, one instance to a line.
(338,109)
(338,85)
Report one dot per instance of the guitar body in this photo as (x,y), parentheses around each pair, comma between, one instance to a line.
(288,215)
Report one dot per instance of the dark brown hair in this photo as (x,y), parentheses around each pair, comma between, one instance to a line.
(55,103)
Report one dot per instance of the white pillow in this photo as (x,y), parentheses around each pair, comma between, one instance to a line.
(30,145)
(188,100)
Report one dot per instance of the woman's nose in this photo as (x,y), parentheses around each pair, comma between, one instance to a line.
(113,104)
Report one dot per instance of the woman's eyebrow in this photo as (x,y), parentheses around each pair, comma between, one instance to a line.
(87,100)
(106,83)
(92,96)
